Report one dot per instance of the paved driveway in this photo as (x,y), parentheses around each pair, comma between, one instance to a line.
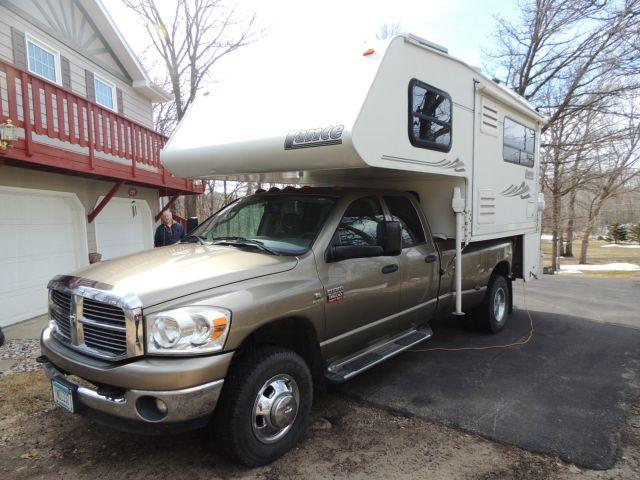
(566,392)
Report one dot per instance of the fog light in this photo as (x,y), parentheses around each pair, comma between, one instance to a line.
(161,406)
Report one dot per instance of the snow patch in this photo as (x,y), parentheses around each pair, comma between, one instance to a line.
(620,246)
(546,236)
(609,267)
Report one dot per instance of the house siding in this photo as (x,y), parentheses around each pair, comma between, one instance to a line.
(135,106)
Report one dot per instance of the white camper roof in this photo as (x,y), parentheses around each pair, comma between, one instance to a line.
(335,110)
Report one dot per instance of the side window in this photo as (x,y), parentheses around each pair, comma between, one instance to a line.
(43,60)
(359,225)
(519,143)
(403,211)
(429,117)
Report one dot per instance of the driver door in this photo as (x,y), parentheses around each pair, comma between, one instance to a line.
(362,294)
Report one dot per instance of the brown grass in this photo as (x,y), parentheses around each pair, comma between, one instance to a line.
(24,393)
(598,254)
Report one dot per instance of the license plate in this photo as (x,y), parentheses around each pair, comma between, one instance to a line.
(62,395)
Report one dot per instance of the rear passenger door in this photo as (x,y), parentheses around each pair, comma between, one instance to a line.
(419,265)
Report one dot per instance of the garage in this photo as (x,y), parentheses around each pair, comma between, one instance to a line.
(124,226)
(43,234)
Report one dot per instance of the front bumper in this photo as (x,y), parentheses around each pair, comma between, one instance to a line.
(118,404)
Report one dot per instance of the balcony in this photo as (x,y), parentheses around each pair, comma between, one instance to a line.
(64,132)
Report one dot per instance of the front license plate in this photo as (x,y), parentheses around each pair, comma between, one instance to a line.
(62,395)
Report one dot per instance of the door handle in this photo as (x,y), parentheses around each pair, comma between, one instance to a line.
(431,258)
(390,268)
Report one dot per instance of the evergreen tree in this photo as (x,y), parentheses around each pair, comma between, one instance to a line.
(617,233)
(634,233)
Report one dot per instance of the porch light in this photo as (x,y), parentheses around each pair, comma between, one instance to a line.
(7,135)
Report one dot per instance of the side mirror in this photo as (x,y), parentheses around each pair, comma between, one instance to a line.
(343,252)
(392,237)
(192,222)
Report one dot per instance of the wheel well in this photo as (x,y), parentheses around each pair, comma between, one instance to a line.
(297,334)
(502,268)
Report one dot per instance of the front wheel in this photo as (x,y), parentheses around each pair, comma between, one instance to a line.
(265,405)
(491,315)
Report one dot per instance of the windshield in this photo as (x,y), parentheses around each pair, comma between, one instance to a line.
(286,224)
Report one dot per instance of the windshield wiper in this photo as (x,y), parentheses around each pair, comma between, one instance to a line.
(243,241)
(187,238)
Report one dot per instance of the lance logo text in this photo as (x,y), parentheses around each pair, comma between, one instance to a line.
(314,137)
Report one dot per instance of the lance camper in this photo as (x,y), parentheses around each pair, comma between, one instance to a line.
(412,192)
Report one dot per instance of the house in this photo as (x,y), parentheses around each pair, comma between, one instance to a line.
(83,174)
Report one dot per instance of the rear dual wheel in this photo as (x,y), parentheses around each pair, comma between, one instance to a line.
(265,405)
(491,315)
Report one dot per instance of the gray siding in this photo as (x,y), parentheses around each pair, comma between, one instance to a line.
(135,106)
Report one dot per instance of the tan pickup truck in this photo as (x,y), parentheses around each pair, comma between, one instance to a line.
(270,297)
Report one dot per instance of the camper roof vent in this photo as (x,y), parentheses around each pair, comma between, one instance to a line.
(421,42)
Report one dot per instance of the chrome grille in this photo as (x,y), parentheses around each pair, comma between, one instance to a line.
(90,318)
(61,313)
(104,327)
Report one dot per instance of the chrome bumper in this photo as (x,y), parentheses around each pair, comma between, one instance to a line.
(139,406)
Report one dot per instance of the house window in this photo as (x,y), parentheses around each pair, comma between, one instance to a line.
(105,93)
(518,143)
(42,60)
(429,117)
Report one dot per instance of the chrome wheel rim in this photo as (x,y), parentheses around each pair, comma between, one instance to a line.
(275,408)
(499,304)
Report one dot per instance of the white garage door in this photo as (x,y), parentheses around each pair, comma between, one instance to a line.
(124,226)
(42,234)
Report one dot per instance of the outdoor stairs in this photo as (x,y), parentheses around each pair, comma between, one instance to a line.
(345,368)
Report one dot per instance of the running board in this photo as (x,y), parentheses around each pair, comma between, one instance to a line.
(344,369)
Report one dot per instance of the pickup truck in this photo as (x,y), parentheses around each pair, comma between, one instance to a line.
(267,299)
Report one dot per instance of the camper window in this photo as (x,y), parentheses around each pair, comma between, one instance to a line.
(429,117)
(519,143)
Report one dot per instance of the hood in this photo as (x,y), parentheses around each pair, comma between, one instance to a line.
(169,272)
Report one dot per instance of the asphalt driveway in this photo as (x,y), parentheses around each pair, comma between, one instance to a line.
(566,392)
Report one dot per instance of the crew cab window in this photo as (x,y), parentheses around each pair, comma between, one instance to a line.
(359,225)
(518,143)
(403,211)
(429,117)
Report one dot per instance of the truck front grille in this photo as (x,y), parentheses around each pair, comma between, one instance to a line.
(102,327)
(61,314)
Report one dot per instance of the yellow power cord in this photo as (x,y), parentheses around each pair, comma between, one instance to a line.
(489,347)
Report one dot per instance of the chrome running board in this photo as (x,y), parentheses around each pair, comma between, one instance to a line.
(343,369)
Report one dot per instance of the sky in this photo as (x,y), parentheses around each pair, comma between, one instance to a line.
(315,28)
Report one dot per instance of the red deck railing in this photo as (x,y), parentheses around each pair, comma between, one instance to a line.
(64,130)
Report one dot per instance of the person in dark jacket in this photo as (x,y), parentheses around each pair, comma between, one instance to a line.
(168,232)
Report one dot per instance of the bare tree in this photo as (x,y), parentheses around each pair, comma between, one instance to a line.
(617,170)
(386,31)
(189,39)
(569,57)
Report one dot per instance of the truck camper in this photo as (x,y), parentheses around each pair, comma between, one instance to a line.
(413,192)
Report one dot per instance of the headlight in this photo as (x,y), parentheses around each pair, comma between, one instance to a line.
(187,330)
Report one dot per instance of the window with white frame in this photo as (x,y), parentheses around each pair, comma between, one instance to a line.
(43,60)
(105,93)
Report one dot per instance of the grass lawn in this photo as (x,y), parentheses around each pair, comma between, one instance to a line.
(598,254)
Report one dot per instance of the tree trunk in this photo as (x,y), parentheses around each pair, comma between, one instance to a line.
(584,247)
(568,251)
(555,230)
(190,206)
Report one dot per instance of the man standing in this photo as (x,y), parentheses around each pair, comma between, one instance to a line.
(168,232)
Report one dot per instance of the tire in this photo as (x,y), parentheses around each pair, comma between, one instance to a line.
(491,315)
(271,376)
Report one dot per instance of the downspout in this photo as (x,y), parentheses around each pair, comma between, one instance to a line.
(457,204)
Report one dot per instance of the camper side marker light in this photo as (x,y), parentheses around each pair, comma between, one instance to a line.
(369,51)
